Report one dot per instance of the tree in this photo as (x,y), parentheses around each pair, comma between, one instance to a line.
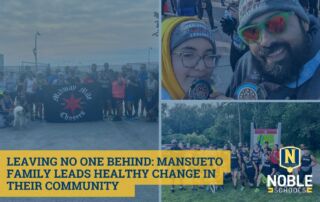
(218,123)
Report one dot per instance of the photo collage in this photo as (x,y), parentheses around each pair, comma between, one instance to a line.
(241,76)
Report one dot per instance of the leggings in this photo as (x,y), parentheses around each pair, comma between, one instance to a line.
(209,12)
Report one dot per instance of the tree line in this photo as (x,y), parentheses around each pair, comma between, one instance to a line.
(219,122)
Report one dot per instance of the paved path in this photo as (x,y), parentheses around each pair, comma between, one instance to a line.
(143,194)
(107,135)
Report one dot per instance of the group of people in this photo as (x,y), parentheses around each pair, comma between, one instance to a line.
(126,93)
(311,6)
(190,8)
(254,167)
(251,166)
(275,51)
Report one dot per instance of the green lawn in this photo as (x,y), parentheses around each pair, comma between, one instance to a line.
(230,195)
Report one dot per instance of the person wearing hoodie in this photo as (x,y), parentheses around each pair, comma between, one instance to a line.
(189,57)
(284,57)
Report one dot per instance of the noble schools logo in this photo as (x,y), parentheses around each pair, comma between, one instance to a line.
(73,101)
(290,159)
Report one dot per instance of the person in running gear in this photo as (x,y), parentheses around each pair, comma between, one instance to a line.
(307,162)
(265,169)
(235,165)
(250,170)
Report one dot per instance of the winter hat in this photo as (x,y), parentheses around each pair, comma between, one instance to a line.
(190,30)
(175,31)
(251,9)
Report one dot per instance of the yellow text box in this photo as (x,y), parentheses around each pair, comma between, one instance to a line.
(106,173)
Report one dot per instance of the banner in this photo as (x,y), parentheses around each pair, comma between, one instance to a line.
(73,103)
(265,135)
(113,173)
(262,135)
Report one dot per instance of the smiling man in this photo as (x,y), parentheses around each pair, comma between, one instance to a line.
(284,57)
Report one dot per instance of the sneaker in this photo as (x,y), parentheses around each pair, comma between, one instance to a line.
(213,189)
(242,188)
(181,188)
(215,28)
(208,188)
(116,118)
(256,190)
(172,190)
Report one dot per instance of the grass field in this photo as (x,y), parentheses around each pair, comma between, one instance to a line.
(230,195)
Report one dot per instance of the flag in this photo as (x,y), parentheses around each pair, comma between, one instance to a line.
(73,103)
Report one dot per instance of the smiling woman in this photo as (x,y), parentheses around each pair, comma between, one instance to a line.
(188,59)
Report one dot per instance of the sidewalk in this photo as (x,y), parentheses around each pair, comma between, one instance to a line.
(101,135)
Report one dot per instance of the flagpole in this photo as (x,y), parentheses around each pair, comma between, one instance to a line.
(149,49)
(35,50)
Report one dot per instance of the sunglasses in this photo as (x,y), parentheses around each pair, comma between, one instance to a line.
(275,24)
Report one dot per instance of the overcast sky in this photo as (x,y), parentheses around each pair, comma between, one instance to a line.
(75,32)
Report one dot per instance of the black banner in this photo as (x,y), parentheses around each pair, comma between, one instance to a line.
(73,103)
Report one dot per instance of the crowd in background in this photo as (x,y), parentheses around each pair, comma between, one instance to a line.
(311,6)
(250,166)
(197,7)
(190,8)
(126,94)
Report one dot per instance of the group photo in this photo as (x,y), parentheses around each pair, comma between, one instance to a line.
(254,133)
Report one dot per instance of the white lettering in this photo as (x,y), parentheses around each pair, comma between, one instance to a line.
(288,181)
(67,117)
(57,95)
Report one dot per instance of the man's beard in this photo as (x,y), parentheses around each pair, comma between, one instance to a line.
(287,70)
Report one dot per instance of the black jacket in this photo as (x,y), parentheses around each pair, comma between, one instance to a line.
(208,2)
(246,71)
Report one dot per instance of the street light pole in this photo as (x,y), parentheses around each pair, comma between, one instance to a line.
(149,50)
(240,126)
(35,50)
